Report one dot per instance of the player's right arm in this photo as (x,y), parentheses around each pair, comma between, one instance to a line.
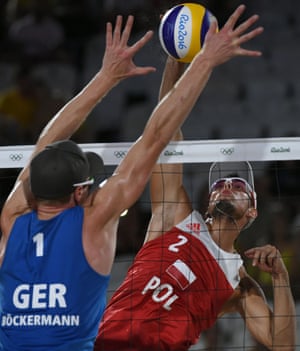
(168,196)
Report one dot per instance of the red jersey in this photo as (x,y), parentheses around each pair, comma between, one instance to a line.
(174,289)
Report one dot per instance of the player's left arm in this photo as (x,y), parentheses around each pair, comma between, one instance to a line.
(275,329)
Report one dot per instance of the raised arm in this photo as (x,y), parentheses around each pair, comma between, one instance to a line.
(169,200)
(134,171)
(117,64)
(166,189)
(275,329)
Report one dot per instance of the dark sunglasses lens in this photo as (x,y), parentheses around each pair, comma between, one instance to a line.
(238,184)
(219,184)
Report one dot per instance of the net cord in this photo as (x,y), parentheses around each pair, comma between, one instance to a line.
(188,151)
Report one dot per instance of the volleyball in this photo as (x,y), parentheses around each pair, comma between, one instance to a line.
(182,30)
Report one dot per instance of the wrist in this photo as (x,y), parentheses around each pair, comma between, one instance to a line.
(99,86)
(281,279)
(203,62)
(105,78)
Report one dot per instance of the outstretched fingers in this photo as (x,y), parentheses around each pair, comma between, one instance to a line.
(212,29)
(245,38)
(120,38)
(117,30)
(118,57)
(240,29)
(137,47)
(248,36)
(243,27)
(141,42)
(232,20)
(109,34)
(127,30)
(116,37)
(241,37)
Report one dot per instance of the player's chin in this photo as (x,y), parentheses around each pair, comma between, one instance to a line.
(230,208)
(224,207)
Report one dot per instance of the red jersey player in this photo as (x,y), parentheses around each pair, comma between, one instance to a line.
(187,274)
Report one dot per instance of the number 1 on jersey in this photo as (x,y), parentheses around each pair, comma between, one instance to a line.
(38,239)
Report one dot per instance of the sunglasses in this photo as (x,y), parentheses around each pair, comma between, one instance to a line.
(237,184)
(89,181)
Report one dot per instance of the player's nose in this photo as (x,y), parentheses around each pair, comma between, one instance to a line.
(228,184)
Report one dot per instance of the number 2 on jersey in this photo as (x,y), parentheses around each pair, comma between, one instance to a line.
(182,241)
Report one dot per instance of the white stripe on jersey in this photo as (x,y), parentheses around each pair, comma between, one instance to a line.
(229,262)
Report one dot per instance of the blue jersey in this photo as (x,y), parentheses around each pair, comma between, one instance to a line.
(50,297)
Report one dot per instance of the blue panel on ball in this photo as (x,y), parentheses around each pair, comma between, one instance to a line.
(168,32)
(205,26)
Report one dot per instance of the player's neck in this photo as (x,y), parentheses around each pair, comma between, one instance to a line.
(224,235)
(49,211)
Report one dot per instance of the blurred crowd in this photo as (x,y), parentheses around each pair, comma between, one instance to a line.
(42,41)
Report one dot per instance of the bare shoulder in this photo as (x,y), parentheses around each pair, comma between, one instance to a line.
(99,236)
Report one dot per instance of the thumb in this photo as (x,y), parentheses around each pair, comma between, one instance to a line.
(213,28)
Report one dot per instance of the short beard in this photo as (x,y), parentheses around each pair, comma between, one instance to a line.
(225,208)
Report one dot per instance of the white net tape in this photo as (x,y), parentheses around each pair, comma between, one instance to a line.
(191,151)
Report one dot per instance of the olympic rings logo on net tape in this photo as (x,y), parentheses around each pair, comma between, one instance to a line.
(16,157)
(120,154)
(227,151)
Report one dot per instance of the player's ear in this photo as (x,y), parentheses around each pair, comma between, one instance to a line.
(79,192)
(252,212)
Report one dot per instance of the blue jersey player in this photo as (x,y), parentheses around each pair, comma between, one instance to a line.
(55,261)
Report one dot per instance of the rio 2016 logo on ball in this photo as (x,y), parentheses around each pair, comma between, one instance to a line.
(182,30)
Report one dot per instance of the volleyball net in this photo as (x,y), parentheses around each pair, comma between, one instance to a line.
(276,166)
(188,151)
